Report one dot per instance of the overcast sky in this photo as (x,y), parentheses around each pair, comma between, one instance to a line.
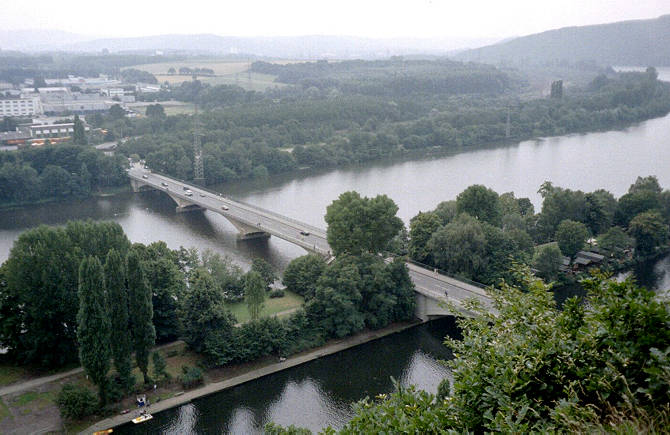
(371,18)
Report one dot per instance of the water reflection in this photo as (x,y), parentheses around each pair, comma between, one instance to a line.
(320,392)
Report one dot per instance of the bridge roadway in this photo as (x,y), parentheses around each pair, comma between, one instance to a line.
(255,220)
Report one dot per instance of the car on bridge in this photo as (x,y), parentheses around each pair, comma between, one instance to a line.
(145,176)
(304,233)
(224,207)
(189,192)
(164,184)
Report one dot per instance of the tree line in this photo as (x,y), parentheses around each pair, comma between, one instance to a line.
(284,129)
(62,171)
(480,235)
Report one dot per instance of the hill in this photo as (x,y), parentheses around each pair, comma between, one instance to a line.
(638,42)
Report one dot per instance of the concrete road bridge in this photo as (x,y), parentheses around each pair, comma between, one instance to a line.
(433,290)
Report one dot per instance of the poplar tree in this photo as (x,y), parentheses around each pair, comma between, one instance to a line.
(254,293)
(117,293)
(93,324)
(79,132)
(141,313)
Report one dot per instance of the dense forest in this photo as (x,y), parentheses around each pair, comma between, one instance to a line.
(349,120)
(52,172)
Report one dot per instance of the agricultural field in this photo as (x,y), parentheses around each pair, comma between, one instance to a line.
(232,72)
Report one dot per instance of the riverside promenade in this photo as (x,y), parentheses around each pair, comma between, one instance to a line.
(334,346)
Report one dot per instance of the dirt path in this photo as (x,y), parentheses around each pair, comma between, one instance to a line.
(32,384)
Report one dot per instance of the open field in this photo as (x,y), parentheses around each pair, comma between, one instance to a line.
(272,306)
(232,72)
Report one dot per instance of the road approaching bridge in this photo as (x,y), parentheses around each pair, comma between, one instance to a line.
(433,289)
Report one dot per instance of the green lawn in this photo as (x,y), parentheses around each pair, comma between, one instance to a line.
(272,306)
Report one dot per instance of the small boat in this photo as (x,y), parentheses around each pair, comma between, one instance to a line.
(142,418)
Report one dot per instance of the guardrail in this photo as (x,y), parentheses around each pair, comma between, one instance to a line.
(255,207)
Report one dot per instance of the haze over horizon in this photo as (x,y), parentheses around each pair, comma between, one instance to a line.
(424,19)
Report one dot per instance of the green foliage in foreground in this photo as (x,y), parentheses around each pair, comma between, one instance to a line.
(76,402)
(591,367)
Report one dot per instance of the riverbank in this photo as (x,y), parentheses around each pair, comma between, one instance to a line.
(332,347)
(109,191)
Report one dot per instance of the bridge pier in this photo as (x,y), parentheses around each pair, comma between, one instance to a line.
(184,205)
(247,232)
(138,186)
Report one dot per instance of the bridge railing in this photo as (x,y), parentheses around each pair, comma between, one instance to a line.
(444,273)
(295,222)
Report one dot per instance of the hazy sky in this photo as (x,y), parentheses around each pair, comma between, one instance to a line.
(372,18)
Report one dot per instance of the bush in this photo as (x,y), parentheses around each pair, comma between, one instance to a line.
(444,389)
(277,293)
(191,377)
(76,402)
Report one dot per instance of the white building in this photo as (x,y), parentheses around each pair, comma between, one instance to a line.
(20,106)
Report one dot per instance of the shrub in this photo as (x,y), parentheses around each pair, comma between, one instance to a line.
(76,401)
(191,377)
(277,293)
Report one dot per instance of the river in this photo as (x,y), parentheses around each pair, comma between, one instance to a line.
(319,393)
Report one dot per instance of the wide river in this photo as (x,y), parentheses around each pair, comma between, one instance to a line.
(319,393)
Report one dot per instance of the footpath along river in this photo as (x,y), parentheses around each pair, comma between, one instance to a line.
(319,393)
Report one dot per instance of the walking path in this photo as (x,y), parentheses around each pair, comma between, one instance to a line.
(37,382)
(214,387)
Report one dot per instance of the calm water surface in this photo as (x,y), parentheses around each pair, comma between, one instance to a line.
(319,393)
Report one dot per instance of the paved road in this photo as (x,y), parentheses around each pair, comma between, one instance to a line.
(301,234)
(314,239)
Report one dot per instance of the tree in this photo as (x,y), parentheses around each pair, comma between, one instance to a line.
(302,274)
(93,325)
(208,326)
(79,133)
(600,208)
(571,236)
(615,240)
(548,261)
(421,228)
(357,225)
(460,247)
(265,270)
(116,112)
(480,202)
(141,313)
(167,284)
(650,232)
(559,204)
(155,111)
(8,124)
(254,293)
(335,306)
(121,346)
(227,276)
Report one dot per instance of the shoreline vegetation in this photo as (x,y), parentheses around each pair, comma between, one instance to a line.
(256,370)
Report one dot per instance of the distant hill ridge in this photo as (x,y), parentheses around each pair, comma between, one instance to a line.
(636,42)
